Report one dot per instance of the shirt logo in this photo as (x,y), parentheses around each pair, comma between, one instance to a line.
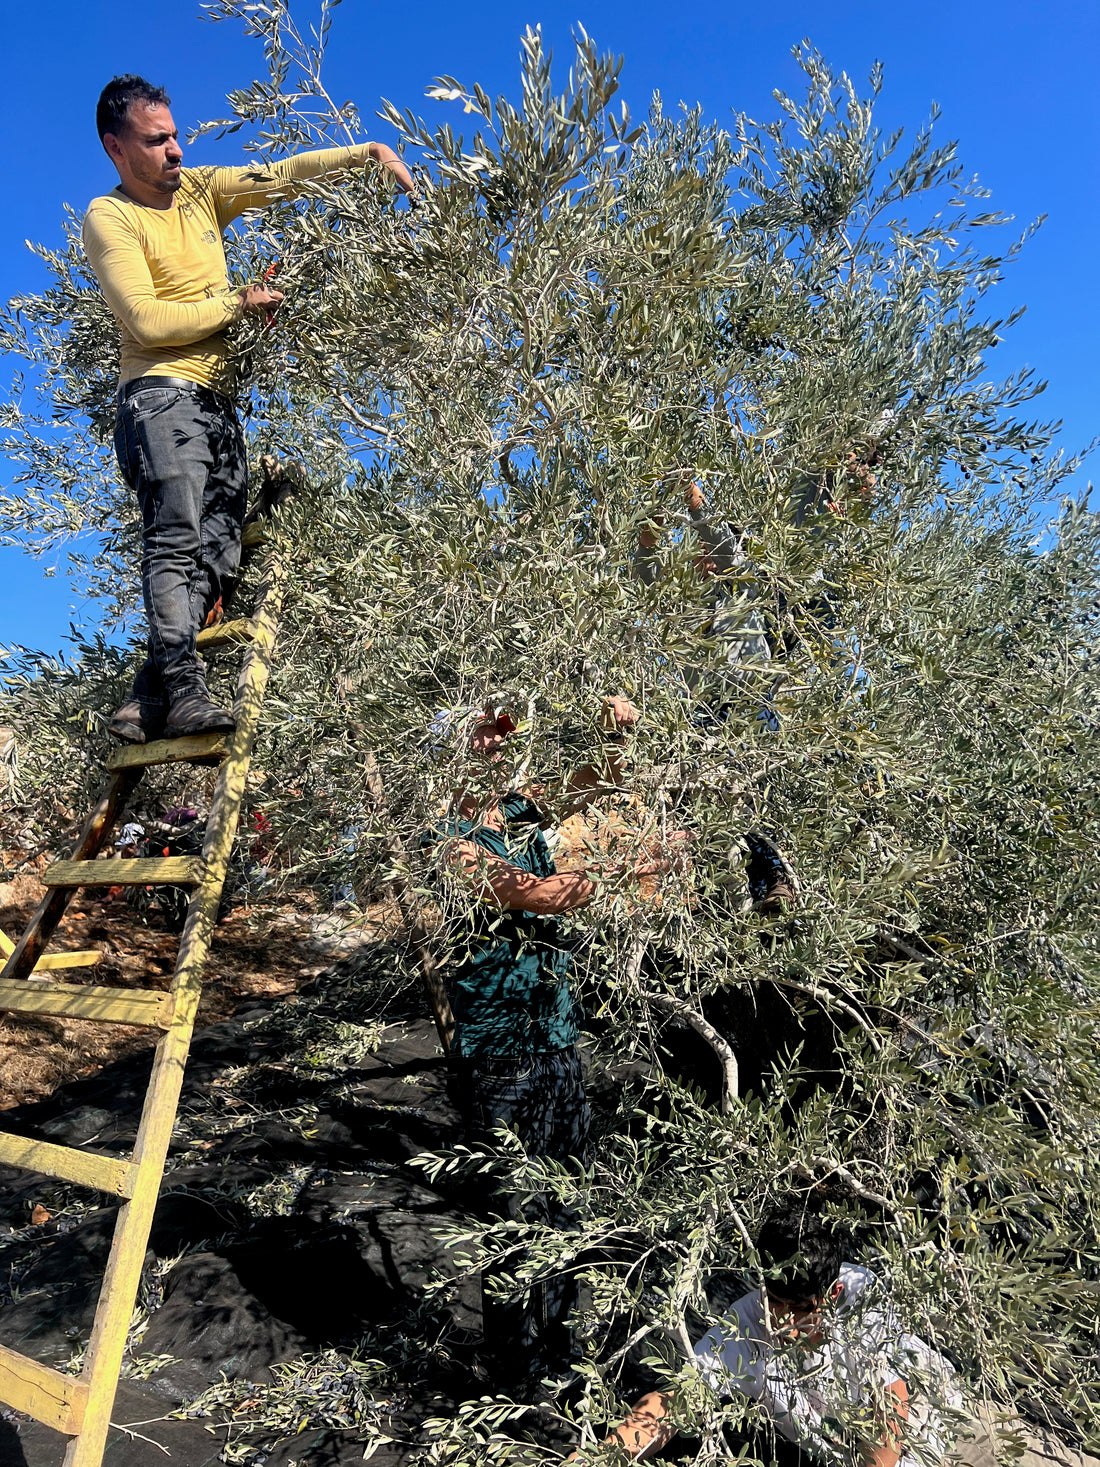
(209,237)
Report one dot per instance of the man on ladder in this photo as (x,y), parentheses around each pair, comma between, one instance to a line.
(155,244)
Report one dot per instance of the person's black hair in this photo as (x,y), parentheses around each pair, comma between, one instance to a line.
(800,1251)
(118,95)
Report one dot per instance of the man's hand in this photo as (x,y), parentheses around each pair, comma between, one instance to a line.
(670,854)
(861,471)
(259,298)
(674,854)
(393,164)
(618,714)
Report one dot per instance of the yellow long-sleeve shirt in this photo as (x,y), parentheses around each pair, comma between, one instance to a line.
(163,271)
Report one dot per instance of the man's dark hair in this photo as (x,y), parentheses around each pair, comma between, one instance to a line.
(116,98)
(800,1251)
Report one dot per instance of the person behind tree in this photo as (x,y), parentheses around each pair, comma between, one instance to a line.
(515,1061)
(155,244)
(737,627)
(820,1348)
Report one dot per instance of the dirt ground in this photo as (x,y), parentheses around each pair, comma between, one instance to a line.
(256,953)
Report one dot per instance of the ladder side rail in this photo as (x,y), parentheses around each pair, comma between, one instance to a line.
(107,1344)
(51,909)
(221,828)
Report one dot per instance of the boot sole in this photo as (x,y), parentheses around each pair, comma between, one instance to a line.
(129,733)
(189,730)
(133,733)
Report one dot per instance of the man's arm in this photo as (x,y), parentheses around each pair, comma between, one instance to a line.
(389,160)
(645,1431)
(720,544)
(646,565)
(889,1447)
(515,890)
(120,266)
(586,784)
(504,885)
(253,186)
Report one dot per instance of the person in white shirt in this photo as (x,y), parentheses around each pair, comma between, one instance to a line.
(821,1349)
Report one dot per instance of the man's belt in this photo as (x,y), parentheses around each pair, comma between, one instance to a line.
(139,384)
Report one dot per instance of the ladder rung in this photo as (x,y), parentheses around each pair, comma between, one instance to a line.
(54,1399)
(87,1168)
(208,748)
(142,1006)
(156,871)
(223,633)
(52,961)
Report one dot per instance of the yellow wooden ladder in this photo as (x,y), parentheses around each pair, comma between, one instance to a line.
(80,1406)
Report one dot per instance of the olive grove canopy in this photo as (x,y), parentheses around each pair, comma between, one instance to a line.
(494,396)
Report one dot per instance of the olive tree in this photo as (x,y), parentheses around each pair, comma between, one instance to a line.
(500,396)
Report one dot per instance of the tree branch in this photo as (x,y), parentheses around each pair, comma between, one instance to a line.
(707,1031)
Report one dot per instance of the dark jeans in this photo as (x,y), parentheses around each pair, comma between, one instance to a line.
(540,1097)
(182,452)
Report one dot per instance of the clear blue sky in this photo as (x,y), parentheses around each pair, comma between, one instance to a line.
(1015,79)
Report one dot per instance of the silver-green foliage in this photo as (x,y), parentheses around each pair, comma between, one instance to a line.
(495,395)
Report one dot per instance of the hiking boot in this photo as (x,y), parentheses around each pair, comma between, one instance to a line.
(779,896)
(134,725)
(193,713)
